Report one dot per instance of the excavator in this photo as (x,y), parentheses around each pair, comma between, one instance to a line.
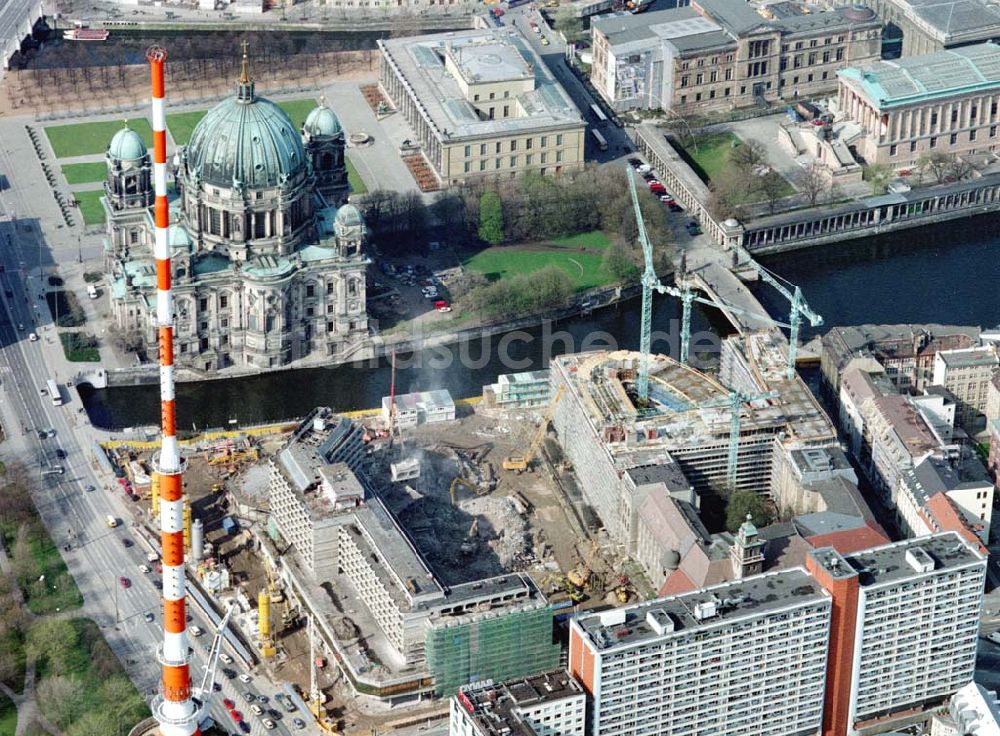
(521,463)
(460,481)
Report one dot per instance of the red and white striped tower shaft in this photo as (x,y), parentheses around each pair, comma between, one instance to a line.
(175,710)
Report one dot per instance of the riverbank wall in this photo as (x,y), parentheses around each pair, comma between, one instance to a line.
(821,225)
(379,348)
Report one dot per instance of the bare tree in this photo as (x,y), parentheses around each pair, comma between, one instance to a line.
(812,181)
(772,186)
(960,168)
(749,154)
(936,162)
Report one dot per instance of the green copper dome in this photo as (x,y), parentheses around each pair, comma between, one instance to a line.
(349,216)
(127,145)
(322,121)
(246,139)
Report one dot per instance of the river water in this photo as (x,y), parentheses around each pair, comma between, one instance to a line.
(946,273)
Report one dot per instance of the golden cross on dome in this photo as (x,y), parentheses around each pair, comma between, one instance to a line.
(245,67)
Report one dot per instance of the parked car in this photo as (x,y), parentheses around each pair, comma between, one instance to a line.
(126,542)
(225,658)
(125,582)
(60,453)
(228,703)
(229,674)
(545,41)
(149,617)
(693,227)
(237,716)
(33,336)
(299,723)
(196,631)
(248,696)
(144,568)
(245,678)
(256,709)
(268,724)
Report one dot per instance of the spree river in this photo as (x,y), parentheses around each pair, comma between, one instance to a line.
(946,273)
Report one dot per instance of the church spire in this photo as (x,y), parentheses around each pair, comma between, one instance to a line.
(244,85)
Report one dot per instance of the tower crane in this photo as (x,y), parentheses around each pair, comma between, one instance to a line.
(735,402)
(686,294)
(799,307)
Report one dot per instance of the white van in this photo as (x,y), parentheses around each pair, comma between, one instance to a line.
(91,291)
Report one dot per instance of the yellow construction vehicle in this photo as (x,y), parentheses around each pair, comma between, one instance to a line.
(580,576)
(520,463)
(460,481)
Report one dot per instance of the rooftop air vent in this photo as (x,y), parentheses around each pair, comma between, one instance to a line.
(919,560)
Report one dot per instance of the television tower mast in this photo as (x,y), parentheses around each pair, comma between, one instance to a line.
(176,711)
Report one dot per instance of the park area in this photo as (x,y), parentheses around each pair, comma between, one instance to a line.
(580,256)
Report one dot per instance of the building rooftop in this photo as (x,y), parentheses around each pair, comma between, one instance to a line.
(917,79)
(681,27)
(426,401)
(668,473)
(420,60)
(953,20)
(909,426)
(489,62)
(658,619)
(496,708)
(968,357)
(891,563)
(687,406)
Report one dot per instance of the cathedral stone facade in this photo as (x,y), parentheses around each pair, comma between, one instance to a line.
(268,257)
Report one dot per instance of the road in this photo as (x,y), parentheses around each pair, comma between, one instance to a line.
(16,19)
(97,557)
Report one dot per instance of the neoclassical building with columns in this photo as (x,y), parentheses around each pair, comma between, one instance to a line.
(268,257)
(946,101)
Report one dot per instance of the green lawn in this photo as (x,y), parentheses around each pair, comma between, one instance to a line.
(82,139)
(181,125)
(8,717)
(354,179)
(503,262)
(709,153)
(85,173)
(80,347)
(298,110)
(90,206)
(58,589)
(594,240)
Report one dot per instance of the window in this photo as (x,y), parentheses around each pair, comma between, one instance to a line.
(715,60)
(795,79)
(310,290)
(701,62)
(699,78)
(826,57)
(544,141)
(933,142)
(468,166)
(812,58)
(839,56)
(559,139)
(913,146)
(492,95)
(202,305)
(953,138)
(972,112)
(684,80)
(496,164)
(972,135)
(825,74)
(475,98)
(513,162)
(468,151)
(506,111)
(796,61)
(697,97)
(713,76)
(934,119)
(684,99)
(542,157)
(329,288)
(993,109)
(492,112)
(993,131)
(527,143)
(812,43)
(892,150)
(783,64)
(728,75)
(558,156)
(513,145)
(726,92)
(223,301)
(482,165)
(528,159)
(954,116)
(729,57)
(798,45)
(506,93)
(809,78)
(482,149)
(711,94)
(497,147)
(743,90)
